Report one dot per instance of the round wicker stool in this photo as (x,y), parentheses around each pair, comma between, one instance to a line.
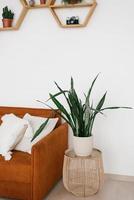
(83,176)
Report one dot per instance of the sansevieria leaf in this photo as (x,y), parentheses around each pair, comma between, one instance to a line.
(116,107)
(57,94)
(40,129)
(60,106)
(90,89)
(101,102)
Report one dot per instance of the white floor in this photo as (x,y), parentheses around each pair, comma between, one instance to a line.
(112,190)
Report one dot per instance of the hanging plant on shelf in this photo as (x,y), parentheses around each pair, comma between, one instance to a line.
(8,16)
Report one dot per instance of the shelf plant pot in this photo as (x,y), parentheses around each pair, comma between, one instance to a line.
(32,3)
(73,1)
(83,146)
(42,1)
(7,22)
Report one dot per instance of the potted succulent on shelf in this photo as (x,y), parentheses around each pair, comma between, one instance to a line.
(80,116)
(8,16)
(71,1)
(42,1)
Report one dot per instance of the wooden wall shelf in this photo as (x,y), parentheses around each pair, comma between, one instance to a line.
(37,6)
(71,5)
(53,7)
(19,20)
(8,29)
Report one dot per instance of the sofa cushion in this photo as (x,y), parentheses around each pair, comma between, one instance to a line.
(18,169)
(36,122)
(12,131)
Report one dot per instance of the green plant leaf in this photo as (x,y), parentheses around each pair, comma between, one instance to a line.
(62,92)
(40,129)
(67,100)
(72,83)
(57,94)
(90,89)
(60,106)
(80,116)
(101,102)
(115,107)
(97,110)
(63,110)
(58,113)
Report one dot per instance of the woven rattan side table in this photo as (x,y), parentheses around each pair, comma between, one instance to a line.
(83,176)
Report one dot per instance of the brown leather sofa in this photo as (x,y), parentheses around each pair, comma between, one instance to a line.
(30,177)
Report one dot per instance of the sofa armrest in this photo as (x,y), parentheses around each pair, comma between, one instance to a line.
(47,161)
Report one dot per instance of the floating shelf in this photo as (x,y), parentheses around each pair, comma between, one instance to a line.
(36,6)
(53,7)
(72,26)
(71,5)
(91,7)
(8,29)
(19,20)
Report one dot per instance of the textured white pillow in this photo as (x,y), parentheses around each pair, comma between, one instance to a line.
(36,122)
(25,144)
(12,130)
(15,119)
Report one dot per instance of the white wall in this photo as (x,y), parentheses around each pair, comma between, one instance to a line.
(41,52)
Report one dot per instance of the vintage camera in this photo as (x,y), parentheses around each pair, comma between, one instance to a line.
(72,20)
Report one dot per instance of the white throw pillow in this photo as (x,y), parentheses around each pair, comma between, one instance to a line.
(12,130)
(36,122)
(15,119)
(25,143)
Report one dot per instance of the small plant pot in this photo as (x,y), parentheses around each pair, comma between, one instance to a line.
(32,3)
(73,1)
(42,1)
(7,23)
(83,146)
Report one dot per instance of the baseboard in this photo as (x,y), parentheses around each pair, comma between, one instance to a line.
(119,177)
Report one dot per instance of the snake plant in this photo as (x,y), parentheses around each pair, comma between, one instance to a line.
(79,115)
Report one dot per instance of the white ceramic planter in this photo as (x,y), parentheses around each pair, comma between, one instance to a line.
(83,146)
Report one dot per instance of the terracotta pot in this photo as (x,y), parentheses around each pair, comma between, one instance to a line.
(7,22)
(42,1)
